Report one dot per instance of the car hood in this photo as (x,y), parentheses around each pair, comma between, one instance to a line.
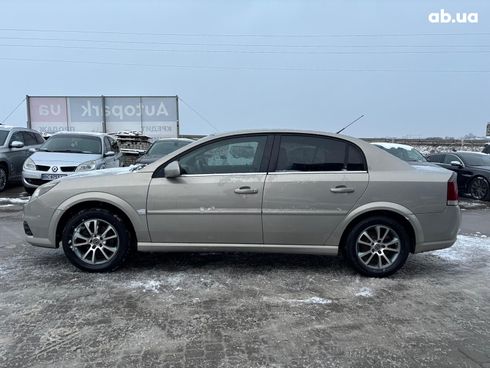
(62,158)
(102,172)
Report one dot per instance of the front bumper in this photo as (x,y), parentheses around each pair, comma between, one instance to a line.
(33,178)
(39,223)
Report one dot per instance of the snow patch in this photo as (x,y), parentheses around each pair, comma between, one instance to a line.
(312,300)
(150,285)
(12,201)
(365,292)
(465,247)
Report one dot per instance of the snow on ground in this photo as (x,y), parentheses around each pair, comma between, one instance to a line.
(465,248)
(8,202)
(365,292)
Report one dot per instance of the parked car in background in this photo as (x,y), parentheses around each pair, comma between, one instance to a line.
(16,145)
(65,153)
(402,151)
(162,147)
(260,191)
(486,149)
(473,171)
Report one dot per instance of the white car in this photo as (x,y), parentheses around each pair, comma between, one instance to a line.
(404,152)
(66,153)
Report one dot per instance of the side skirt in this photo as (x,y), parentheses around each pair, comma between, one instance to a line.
(259,248)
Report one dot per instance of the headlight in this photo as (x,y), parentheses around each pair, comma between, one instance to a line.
(43,189)
(87,166)
(29,164)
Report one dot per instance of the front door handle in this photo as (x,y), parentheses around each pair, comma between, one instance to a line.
(342,189)
(246,190)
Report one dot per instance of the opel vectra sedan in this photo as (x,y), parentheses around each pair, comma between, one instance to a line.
(260,191)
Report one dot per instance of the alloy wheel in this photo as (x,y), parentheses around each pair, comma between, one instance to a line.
(95,241)
(479,188)
(378,246)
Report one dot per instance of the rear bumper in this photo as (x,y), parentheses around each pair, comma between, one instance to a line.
(440,230)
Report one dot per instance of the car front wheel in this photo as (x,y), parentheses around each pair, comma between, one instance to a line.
(377,246)
(96,240)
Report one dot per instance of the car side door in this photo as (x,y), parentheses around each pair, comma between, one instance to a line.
(218,196)
(16,155)
(464,173)
(313,183)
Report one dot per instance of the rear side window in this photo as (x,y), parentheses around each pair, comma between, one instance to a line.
(114,145)
(29,139)
(39,138)
(307,153)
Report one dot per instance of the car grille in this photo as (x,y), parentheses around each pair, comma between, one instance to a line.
(42,168)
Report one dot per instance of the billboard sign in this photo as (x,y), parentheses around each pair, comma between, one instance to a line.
(154,116)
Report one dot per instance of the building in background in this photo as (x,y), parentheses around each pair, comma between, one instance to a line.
(152,116)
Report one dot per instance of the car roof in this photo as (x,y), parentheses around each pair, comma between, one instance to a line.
(392,145)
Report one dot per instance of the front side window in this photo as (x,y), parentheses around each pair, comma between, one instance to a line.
(233,155)
(73,143)
(450,158)
(307,153)
(17,137)
(436,158)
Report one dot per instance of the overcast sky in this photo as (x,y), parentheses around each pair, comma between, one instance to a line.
(252,64)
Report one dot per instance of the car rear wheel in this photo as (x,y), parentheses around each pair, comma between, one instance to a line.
(96,240)
(479,188)
(3,178)
(377,246)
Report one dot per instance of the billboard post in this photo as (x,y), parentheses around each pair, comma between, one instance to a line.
(154,116)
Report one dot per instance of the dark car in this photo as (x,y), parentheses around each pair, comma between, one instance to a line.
(162,147)
(16,146)
(486,149)
(473,169)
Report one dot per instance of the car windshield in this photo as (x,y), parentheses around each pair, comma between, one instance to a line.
(406,154)
(475,159)
(3,136)
(73,144)
(162,148)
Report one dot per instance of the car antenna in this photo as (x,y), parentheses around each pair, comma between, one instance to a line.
(348,125)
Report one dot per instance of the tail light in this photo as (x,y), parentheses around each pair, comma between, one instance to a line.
(452,191)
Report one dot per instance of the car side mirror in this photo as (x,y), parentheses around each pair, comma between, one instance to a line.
(172,170)
(33,149)
(16,144)
(457,164)
(109,153)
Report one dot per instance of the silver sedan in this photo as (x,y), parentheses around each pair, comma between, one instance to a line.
(259,191)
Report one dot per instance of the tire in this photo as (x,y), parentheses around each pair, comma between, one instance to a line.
(479,188)
(102,240)
(366,251)
(3,178)
(29,190)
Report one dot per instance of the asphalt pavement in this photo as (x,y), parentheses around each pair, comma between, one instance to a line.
(244,310)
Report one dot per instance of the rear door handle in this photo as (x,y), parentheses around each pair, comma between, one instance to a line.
(246,190)
(342,189)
